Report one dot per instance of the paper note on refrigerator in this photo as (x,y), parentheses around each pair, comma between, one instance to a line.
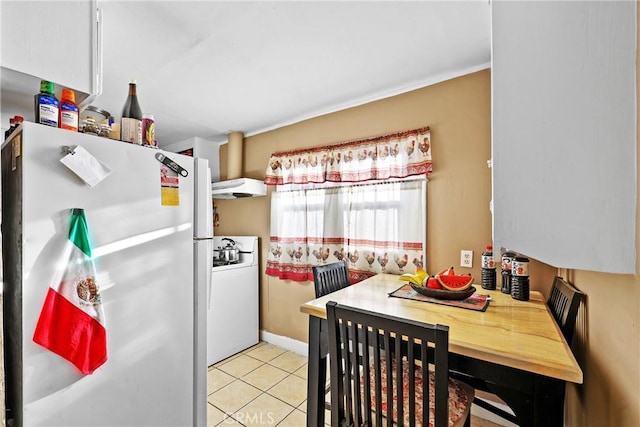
(169,187)
(87,167)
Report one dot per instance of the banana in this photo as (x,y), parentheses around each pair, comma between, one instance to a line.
(421,274)
(413,278)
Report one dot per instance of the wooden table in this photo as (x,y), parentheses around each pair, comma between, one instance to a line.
(514,347)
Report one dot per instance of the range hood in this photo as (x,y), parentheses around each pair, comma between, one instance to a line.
(236,187)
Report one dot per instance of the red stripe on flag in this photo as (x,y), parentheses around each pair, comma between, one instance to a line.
(71,333)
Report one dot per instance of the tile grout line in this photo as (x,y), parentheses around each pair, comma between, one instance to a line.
(260,389)
(262,392)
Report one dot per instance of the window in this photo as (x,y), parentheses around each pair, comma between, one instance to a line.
(378,227)
(364,201)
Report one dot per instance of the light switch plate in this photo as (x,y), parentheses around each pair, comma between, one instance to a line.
(466,258)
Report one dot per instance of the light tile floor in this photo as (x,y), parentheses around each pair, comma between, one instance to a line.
(264,385)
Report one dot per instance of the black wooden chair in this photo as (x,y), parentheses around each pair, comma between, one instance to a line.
(564,302)
(330,278)
(327,279)
(367,384)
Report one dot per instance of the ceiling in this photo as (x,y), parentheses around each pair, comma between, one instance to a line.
(206,68)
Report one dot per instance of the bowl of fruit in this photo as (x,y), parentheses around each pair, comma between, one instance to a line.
(444,285)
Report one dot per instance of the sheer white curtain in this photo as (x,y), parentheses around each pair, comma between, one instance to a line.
(378,227)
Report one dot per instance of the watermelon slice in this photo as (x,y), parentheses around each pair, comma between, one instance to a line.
(454,282)
(447,271)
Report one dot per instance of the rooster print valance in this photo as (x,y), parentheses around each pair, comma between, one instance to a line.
(398,155)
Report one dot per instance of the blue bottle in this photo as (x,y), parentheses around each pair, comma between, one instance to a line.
(47,105)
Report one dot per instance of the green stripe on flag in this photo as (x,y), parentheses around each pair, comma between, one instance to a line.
(79,232)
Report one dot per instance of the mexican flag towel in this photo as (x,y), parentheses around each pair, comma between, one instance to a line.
(71,322)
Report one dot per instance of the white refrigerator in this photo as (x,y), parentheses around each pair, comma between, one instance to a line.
(151,245)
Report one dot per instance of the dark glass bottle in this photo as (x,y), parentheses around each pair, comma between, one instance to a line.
(12,122)
(520,278)
(131,122)
(507,259)
(488,269)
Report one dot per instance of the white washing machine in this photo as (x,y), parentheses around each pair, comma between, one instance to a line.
(233,306)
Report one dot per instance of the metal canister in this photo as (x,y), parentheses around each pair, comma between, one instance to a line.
(89,126)
(105,130)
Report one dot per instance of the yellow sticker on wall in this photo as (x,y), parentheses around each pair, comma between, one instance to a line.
(169,187)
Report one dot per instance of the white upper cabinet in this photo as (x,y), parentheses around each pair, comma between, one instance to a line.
(57,41)
(564,132)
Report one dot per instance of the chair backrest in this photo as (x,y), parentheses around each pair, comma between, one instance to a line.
(363,394)
(564,302)
(330,278)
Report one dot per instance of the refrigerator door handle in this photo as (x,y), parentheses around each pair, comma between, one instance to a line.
(209,209)
(209,272)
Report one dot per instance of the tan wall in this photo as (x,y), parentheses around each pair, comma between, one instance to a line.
(609,352)
(458,217)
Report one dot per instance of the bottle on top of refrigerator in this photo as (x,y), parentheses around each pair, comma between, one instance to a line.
(148,130)
(12,122)
(17,121)
(68,110)
(131,122)
(47,105)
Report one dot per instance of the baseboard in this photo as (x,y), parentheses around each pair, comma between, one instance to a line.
(302,348)
(489,416)
(287,343)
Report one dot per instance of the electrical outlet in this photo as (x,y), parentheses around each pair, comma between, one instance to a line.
(466,258)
